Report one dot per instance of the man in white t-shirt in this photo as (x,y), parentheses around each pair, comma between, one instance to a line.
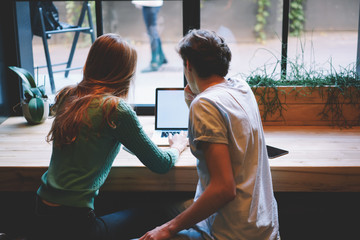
(150,10)
(234,198)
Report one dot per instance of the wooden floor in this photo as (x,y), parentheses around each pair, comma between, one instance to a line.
(320,159)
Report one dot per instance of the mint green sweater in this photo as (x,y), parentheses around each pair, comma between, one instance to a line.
(77,171)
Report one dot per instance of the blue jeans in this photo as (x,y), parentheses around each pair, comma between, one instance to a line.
(150,19)
(188,234)
(73,223)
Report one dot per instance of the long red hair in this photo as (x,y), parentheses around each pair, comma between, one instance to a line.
(108,71)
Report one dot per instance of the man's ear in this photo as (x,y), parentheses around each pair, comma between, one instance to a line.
(188,65)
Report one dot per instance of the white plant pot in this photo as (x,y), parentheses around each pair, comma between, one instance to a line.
(29,118)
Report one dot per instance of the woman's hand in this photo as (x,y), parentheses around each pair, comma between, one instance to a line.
(189,95)
(158,233)
(179,141)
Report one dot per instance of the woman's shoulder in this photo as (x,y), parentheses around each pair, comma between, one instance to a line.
(118,107)
(123,106)
(124,110)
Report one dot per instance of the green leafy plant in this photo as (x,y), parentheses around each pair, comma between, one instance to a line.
(337,88)
(261,20)
(296,16)
(73,10)
(34,105)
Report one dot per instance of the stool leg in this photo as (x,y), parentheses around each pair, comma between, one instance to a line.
(76,37)
(91,25)
(47,54)
(49,66)
(71,56)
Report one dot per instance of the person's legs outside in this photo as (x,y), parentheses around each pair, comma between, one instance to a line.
(150,19)
(157,54)
(162,58)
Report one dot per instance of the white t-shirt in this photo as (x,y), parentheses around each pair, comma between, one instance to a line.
(148,3)
(228,113)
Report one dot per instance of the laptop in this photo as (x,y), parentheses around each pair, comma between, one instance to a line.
(171,114)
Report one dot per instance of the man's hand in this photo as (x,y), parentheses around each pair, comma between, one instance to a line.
(178,141)
(159,233)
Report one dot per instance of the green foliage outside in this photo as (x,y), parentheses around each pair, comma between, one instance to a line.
(73,10)
(296,18)
(336,87)
(261,20)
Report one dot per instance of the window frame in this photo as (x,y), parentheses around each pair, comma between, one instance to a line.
(191,19)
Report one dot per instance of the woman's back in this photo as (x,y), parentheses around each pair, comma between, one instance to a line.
(79,169)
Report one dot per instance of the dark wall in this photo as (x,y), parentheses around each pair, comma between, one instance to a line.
(310,216)
(319,215)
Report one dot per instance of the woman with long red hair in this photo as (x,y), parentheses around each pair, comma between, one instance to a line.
(92,120)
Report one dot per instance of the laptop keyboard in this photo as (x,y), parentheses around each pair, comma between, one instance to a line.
(166,134)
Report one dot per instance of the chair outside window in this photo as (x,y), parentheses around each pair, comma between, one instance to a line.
(45,22)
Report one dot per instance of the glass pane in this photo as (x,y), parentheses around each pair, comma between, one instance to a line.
(128,20)
(252,31)
(326,40)
(60,47)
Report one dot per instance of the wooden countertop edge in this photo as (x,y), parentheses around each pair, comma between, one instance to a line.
(184,178)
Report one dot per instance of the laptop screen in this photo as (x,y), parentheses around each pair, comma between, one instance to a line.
(171,111)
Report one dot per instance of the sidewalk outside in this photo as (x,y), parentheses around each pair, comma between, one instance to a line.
(319,50)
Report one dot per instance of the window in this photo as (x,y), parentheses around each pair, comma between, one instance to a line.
(322,35)
(255,45)
(326,39)
(60,47)
(128,20)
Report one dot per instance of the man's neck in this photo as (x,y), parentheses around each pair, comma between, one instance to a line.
(205,83)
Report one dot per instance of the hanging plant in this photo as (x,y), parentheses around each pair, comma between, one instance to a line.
(261,20)
(296,17)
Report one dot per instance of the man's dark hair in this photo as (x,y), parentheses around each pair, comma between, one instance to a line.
(206,52)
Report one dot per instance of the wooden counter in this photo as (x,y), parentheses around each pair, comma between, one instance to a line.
(321,159)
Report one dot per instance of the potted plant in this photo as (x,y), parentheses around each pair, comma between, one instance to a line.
(35,105)
(308,97)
